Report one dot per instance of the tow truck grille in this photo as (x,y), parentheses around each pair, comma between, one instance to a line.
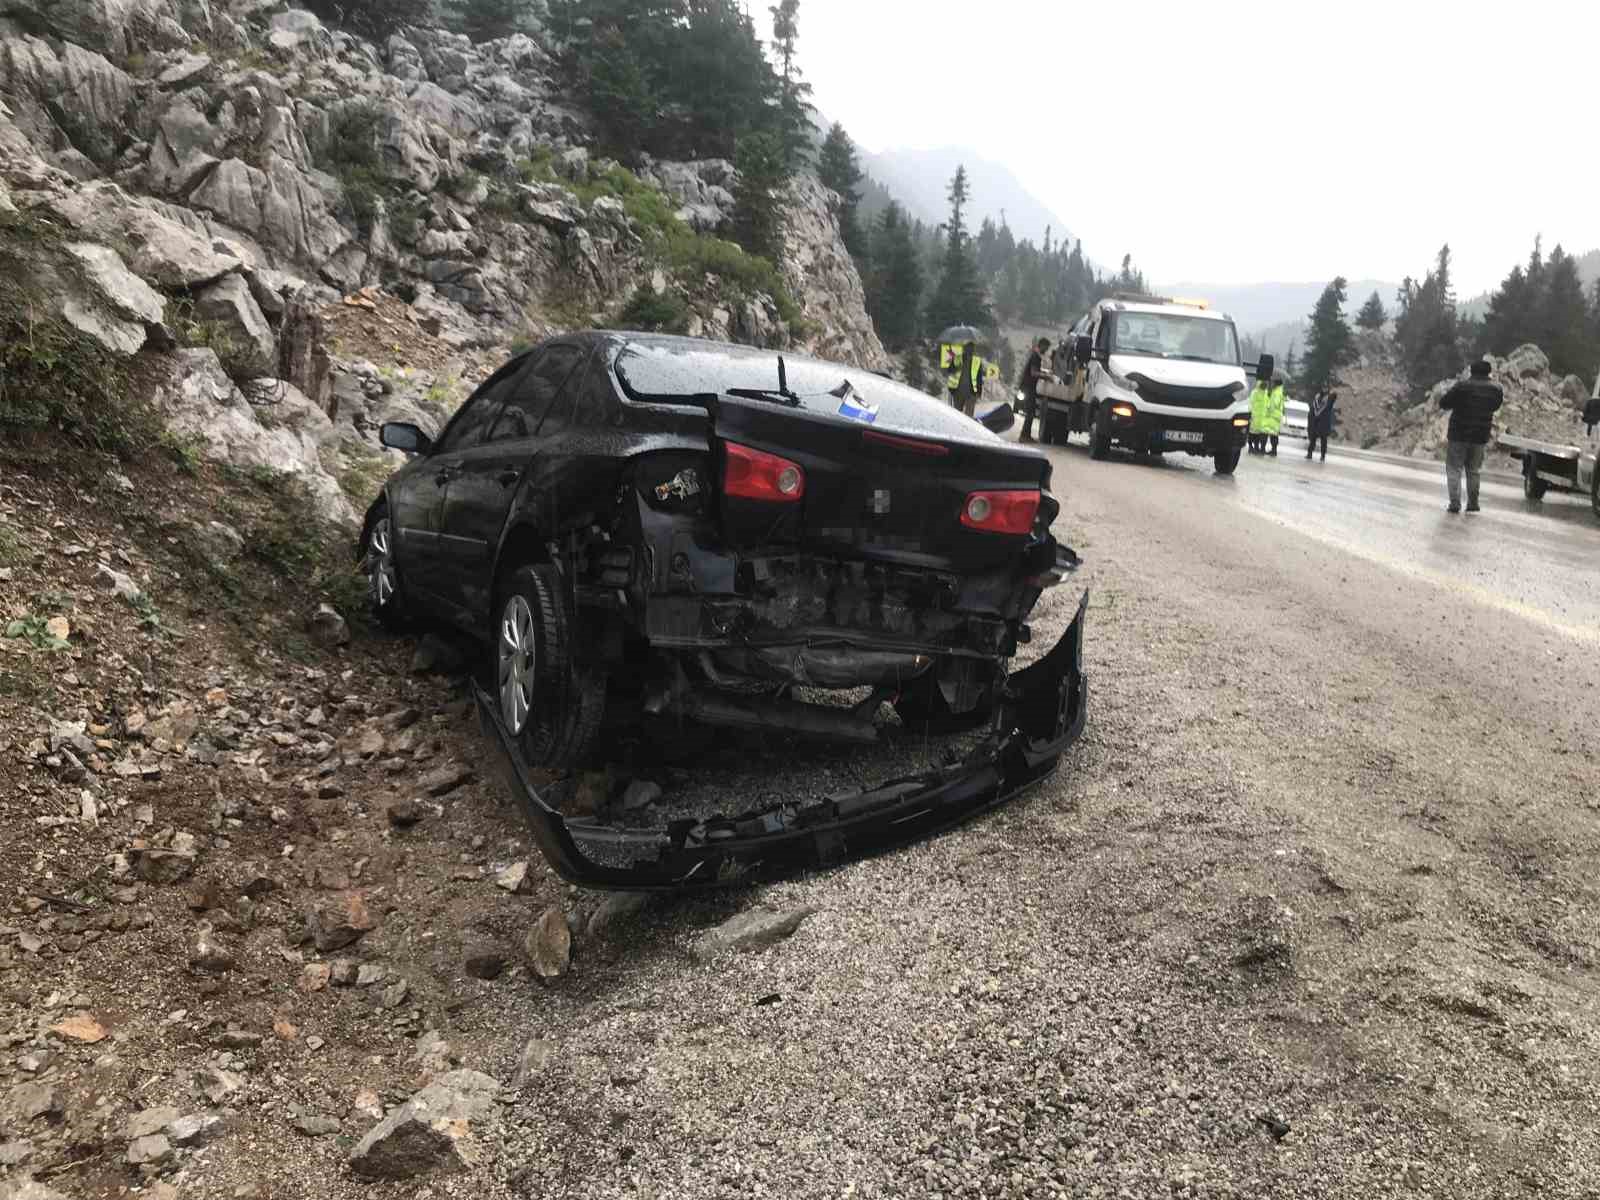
(1185,397)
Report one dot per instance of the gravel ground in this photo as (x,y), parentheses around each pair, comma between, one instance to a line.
(1298,917)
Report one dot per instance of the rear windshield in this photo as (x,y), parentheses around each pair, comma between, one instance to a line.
(677,371)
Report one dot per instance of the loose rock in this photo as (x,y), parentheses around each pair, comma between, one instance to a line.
(436,1131)
(549,945)
(333,926)
(32,1101)
(149,1122)
(750,931)
(151,1150)
(327,627)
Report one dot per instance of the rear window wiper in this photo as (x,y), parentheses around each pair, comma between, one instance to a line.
(778,395)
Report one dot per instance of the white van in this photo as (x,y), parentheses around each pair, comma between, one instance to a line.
(1296,418)
(1153,375)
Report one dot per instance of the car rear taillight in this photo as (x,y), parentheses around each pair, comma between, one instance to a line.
(757,475)
(1001,512)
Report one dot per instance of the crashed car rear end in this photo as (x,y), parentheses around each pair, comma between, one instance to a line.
(741,540)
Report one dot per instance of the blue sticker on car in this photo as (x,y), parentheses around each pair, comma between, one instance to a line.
(855,406)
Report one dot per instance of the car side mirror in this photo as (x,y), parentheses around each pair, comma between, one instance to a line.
(998,419)
(405,437)
(1083,350)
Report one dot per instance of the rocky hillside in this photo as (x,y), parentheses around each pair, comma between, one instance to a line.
(300,234)
(1376,411)
(1538,404)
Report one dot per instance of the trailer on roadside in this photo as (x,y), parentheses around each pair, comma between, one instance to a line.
(1560,467)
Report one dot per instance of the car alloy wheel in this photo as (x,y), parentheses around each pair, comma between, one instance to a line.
(518,664)
(381,579)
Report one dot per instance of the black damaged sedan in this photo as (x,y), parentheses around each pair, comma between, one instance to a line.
(651,529)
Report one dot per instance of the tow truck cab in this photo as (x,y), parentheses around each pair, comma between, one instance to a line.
(1153,375)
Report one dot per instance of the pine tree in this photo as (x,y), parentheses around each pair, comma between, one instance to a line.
(794,106)
(840,169)
(894,285)
(1328,341)
(373,19)
(758,218)
(958,298)
(1562,317)
(486,20)
(1372,315)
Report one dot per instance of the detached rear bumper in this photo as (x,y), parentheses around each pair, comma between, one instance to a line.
(1041,714)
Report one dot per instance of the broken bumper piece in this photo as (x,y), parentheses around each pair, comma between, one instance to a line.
(1041,714)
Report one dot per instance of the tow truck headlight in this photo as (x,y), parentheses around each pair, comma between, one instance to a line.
(1124,411)
(1241,421)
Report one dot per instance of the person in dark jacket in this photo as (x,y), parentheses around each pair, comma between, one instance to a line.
(1319,423)
(1030,386)
(1471,404)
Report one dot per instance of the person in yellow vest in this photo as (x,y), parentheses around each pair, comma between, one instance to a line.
(1272,425)
(1260,401)
(969,384)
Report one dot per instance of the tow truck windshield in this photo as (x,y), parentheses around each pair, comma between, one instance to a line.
(1171,335)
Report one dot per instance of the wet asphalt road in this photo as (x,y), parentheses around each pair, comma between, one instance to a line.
(1539,561)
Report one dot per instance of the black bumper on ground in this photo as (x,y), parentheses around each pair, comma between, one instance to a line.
(1040,715)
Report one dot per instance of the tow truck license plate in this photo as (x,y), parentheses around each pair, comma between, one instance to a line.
(1183,435)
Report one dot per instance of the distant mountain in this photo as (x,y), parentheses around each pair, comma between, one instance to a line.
(1255,307)
(920,178)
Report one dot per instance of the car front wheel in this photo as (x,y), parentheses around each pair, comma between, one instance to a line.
(549,703)
(385,598)
(1227,461)
(1594,491)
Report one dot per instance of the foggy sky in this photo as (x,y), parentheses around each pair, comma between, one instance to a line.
(1240,141)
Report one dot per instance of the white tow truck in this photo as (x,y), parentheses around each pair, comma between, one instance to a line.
(1154,375)
(1555,466)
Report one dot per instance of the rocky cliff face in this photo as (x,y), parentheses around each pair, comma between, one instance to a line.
(235,178)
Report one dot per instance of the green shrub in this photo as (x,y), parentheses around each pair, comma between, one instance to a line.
(53,377)
(651,313)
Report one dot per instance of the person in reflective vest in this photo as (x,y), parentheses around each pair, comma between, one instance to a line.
(969,380)
(1260,401)
(1272,421)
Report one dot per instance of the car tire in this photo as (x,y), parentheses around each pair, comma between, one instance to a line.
(1594,491)
(1100,435)
(385,590)
(551,704)
(1226,461)
(1533,487)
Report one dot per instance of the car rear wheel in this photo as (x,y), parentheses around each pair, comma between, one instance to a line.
(549,703)
(1533,487)
(1594,491)
(385,596)
(1100,435)
(1227,461)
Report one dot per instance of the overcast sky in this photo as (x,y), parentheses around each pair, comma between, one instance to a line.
(1241,141)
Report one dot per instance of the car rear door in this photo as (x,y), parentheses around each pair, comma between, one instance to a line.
(485,482)
(418,499)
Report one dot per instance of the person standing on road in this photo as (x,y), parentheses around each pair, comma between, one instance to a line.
(969,387)
(1031,371)
(1272,423)
(1320,423)
(1260,398)
(1471,404)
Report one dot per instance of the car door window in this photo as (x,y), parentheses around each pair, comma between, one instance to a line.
(478,413)
(528,409)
